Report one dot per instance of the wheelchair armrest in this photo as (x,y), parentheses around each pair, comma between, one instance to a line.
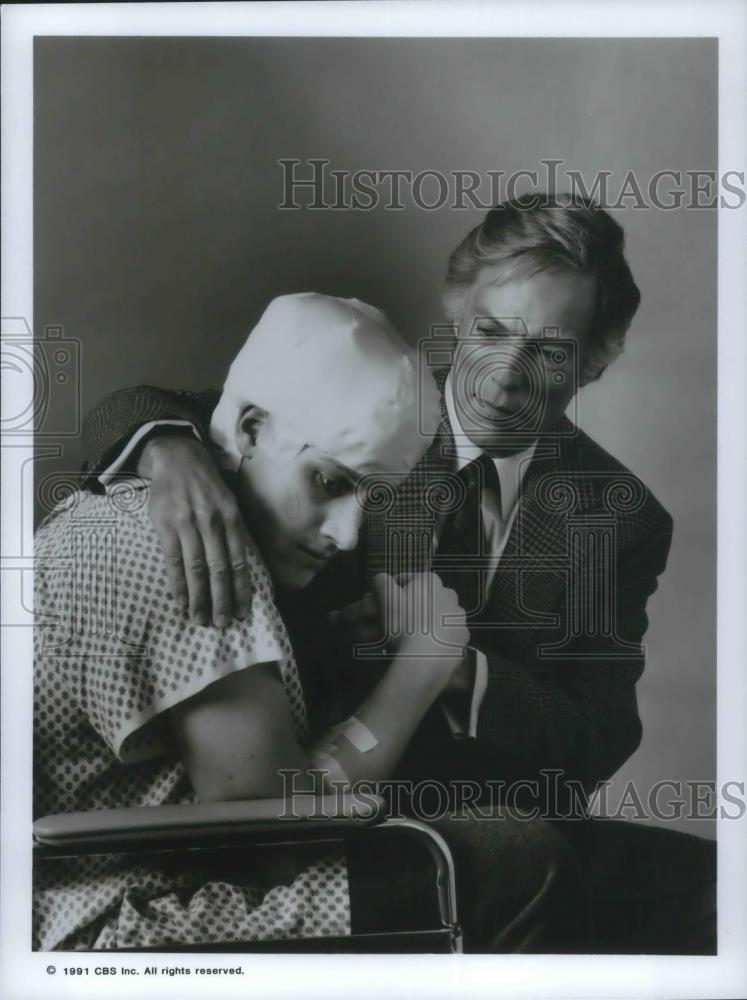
(206,822)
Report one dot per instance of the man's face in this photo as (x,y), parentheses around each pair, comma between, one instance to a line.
(520,348)
(301,511)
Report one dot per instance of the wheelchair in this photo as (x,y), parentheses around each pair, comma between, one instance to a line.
(240,826)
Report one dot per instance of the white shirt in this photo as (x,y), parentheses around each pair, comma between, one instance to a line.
(511,471)
(498,523)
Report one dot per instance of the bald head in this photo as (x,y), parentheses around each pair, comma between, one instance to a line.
(332,374)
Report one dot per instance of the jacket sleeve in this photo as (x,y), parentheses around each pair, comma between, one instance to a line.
(110,424)
(578,716)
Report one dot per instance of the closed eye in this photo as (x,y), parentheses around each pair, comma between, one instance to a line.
(554,353)
(331,486)
(492,331)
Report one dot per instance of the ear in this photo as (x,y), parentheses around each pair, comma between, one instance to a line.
(248,426)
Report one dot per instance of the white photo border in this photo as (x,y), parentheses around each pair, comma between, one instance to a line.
(24,973)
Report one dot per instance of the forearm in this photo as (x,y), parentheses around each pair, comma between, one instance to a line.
(237,739)
(389,717)
(237,736)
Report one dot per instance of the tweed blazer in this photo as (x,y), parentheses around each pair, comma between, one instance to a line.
(561,625)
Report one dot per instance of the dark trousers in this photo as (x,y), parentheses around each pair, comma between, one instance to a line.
(520,887)
(652,889)
(597,886)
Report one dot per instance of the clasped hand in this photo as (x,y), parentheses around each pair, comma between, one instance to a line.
(407,615)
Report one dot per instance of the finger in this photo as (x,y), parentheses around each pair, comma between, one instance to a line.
(196,572)
(219,570)
(241,580)
(424,579)
(172,554)
(364,610)
(364,635)
(350,614)
(424,596)
(386,592)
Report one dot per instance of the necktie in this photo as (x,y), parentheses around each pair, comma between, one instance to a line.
(463,535)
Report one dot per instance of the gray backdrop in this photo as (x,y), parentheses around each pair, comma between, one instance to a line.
(158,242)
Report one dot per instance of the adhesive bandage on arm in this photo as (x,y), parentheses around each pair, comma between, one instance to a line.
(324,755)
(358,734)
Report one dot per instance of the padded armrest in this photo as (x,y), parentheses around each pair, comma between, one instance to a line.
(205,822)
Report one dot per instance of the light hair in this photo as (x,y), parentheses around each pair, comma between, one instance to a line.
(540,232)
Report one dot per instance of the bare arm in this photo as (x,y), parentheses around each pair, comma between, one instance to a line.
(237,735)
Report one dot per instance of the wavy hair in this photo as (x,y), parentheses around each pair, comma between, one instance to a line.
(540,232)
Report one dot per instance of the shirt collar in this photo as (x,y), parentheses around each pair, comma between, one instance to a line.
(511,469)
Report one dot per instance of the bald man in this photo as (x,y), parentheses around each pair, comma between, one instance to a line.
(160,710)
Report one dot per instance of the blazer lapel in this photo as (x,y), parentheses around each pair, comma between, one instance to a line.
(526,595)
(525,603)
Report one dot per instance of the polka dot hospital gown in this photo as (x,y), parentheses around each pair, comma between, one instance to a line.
(113,652)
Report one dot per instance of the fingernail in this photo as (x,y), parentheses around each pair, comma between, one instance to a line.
(222,621)
(202,619)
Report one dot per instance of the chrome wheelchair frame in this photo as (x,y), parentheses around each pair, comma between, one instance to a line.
(230,826)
